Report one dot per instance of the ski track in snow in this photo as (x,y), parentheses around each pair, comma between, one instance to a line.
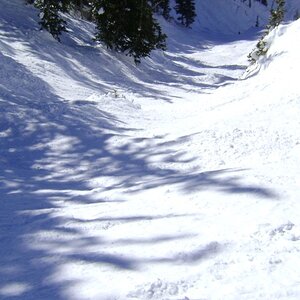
(174,180)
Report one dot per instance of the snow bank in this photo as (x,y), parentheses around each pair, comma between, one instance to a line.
(282,57)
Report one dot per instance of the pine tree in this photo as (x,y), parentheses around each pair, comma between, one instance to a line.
(81,8)
(264,2)
(257,22)
(49,15)
(123,25)
(186,11)
(277,15)
(162,7)
(128,26)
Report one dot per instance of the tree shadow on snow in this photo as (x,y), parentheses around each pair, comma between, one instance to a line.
(51,158)
(98,68)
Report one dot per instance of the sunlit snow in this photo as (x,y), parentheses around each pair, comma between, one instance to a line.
(176,179)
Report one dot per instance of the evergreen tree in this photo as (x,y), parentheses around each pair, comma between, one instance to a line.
(81,7)
(123,25)
(277,14)
(162,7)
(49,15)
(257,22)
(128,26)
(186,11)
(264,2)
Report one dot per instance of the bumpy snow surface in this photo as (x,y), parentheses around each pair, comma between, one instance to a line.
(177,179)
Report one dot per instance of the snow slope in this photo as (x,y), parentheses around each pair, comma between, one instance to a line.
(235,16)
(174,180)
(231,17)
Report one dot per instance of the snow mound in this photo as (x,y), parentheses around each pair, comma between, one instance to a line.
(284,48)
(282,57)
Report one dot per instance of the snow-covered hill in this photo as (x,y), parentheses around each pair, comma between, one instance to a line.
(229,16)
(236,16)
(171,180)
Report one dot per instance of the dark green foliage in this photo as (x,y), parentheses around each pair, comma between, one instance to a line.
(264,2)
(277,14)
(128,26)
(79,5)
(186,11)
(81,8)
(257,22)
(161,7)
(49,15)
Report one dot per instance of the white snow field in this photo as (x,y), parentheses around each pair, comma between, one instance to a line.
(176,179)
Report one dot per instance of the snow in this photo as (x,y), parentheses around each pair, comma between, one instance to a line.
(177,179)
(235,16)
(100,11)
(229,16)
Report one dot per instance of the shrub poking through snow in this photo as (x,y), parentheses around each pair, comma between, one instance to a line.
(276,17)
(277,14)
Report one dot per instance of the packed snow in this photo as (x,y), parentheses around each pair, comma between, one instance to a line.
(176,179)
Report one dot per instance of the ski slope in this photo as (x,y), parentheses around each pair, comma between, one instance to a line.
(177,179)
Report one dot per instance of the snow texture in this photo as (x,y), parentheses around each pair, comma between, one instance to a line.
(177,179)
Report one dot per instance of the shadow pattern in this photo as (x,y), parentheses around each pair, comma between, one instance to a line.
(50,157)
